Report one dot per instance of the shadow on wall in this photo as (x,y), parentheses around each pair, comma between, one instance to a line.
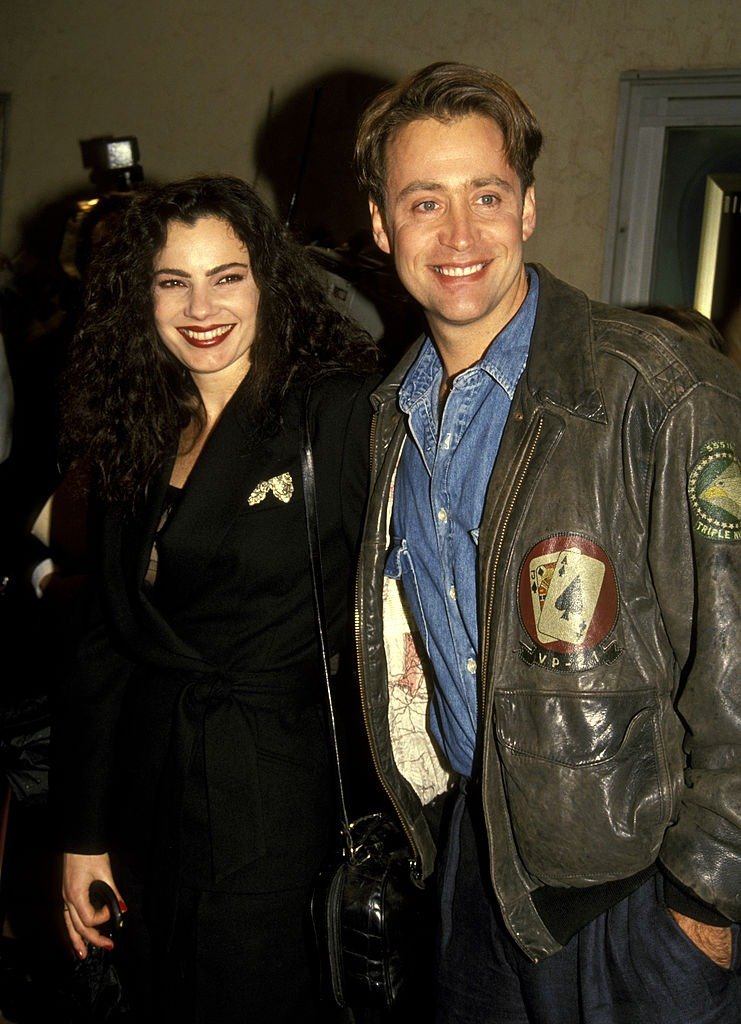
(304,153)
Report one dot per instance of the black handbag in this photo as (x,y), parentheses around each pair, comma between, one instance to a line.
(372,921)
(370,911)
(95,994)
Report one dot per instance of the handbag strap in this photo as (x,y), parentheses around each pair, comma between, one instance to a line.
(315,553)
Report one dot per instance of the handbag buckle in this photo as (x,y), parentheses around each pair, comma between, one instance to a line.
(355,852)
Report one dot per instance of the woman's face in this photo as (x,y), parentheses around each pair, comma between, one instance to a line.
(205,299)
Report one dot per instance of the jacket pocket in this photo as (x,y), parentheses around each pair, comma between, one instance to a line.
(583,783)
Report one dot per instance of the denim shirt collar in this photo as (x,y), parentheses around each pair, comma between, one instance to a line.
(504,359)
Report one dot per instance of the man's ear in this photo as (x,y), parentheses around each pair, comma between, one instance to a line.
(529,216)
(380,234)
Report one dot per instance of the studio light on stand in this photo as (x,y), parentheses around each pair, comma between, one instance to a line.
(115,171)
(114,162)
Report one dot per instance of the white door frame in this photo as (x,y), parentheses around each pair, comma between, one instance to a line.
(651,102)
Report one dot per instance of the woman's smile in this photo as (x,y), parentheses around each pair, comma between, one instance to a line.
(203,337)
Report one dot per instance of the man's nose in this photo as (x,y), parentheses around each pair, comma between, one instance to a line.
(458,229)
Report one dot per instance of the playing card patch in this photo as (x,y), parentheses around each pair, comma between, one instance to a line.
(715,492)
(568,602)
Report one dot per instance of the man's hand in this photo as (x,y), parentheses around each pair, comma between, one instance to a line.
(714,942)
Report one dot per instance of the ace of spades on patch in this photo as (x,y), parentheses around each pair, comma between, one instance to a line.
(571,598)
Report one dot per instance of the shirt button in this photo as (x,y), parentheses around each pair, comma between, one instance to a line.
(452,594)
(471,665)
(442,515)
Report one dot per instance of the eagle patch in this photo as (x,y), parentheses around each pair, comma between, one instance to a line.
(715,492)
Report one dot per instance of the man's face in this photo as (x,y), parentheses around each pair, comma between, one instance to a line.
(455,220)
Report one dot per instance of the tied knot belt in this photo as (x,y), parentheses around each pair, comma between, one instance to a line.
(221,710)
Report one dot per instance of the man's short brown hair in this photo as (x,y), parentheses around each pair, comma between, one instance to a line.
(445,91)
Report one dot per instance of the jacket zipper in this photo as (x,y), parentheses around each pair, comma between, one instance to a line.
(415,863)
(492,579)
(490,599)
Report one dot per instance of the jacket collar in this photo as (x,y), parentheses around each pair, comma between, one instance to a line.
(560,368)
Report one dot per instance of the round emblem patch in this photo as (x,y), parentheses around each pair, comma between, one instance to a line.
(715,492)
(568,603)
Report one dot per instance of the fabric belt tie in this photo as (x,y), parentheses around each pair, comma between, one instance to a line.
(222,709)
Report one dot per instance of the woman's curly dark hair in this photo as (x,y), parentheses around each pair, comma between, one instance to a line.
(127,398)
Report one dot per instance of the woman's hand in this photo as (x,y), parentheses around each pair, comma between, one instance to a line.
(80,916)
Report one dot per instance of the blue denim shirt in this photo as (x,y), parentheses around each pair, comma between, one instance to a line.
(438,503)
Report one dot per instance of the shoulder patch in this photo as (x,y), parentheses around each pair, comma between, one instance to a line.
(714,491)
(568,604)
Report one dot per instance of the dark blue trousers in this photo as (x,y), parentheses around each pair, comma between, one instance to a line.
(632,965)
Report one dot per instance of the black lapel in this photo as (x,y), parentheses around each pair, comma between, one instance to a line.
(234,460)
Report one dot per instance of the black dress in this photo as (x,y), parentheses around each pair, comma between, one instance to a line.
(191,743)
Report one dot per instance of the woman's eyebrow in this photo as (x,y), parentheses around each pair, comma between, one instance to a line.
(209,273)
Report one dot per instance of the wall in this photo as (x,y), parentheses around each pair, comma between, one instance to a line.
(229,87)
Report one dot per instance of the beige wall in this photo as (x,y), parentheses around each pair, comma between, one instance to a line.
(195,81)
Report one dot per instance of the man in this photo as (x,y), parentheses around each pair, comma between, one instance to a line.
(548,596)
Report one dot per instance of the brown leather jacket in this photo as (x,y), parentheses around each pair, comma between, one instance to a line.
(609,551)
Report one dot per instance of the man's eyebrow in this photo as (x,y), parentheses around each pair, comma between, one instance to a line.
(176,272)
(421,185)
(502,183)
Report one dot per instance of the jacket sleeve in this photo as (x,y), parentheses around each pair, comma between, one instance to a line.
(695,556)
(342,419)
(85,716)
(6,404)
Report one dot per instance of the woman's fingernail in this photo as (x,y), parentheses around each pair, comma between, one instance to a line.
(122,906)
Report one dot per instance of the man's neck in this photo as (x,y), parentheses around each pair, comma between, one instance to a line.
(462,345)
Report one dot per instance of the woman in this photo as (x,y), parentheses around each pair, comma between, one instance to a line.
(191,757)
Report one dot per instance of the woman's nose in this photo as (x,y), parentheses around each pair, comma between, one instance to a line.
(200,302)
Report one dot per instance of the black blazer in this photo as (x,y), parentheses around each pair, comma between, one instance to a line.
(191,733)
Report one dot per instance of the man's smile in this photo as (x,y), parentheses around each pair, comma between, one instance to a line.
(457,271)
